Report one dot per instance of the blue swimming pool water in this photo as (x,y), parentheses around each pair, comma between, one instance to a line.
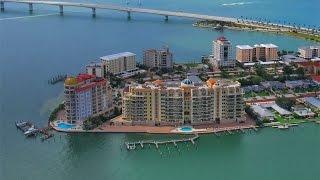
(63,125)
(186,129)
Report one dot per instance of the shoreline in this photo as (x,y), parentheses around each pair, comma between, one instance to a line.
(269,28)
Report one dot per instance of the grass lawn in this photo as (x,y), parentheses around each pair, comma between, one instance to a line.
(290,120)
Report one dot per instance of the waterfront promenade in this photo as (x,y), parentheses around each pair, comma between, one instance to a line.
(204,129)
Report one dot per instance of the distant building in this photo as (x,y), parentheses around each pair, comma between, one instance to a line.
(265,52)
(313,103)
(95,69)
(222,53)
(309,52)
(303,112)
(244,53)
(275,85)
(311,67)
(161,58)
(118,63)
(260,52)
(299,84)
(86,95)
(190,101)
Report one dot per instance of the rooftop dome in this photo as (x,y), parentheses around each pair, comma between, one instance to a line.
(70,81)
(187,82)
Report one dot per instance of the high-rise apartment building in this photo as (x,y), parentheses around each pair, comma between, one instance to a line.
(85,96)
(244,53)
(222,53)
(118,63)
(186,102)
(161,58)
(309,52)
(260,52)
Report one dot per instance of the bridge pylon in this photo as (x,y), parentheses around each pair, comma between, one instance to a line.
(166,18)
(61,9)
(1,5)
(93,12)
(30,8)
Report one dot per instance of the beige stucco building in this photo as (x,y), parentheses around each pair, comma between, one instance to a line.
(259,52)
(118,63)
(186,102)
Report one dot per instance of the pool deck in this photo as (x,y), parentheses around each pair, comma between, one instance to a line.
(203,129)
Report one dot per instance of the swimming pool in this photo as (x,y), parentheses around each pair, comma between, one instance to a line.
(63,125)
(186,129)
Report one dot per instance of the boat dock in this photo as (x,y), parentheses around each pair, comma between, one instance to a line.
(56,79)
(132,145)
(29,129)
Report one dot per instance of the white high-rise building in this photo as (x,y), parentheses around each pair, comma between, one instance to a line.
(222,53)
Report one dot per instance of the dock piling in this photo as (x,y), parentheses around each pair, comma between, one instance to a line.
(30,8)
(93,12)
(166,18)
(61,9)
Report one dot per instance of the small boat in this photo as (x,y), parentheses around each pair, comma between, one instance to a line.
(132,147)
(218,27)
(31,131)
(283,126)
(21,124)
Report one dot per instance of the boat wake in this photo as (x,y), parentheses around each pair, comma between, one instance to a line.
(27,17)
(236,3)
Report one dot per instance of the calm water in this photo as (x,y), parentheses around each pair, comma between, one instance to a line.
(33,49)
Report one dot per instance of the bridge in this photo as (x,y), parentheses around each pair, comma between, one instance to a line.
(128,10)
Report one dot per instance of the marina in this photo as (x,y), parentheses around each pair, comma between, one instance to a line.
(30,130)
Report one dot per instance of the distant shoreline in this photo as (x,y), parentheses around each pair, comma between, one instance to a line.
(261,27)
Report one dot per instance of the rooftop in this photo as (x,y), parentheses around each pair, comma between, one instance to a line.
(94,64)
(313,101)
(266,45)
(262,112)
(244,47)
(116,56)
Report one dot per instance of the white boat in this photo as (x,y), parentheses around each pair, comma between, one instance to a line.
(31,131)
(21,124)
(283,126)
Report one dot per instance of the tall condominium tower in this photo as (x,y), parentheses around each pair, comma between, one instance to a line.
(222,53)
(86,95)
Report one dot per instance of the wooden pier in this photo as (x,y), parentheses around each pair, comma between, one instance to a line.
(132,145)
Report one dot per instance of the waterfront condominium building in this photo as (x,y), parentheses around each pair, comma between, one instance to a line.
(86,95)
(186,102)
(265,52)
(161,58)
(118,63)
(259,52)
(222,53)
(309,52)
(244,53)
